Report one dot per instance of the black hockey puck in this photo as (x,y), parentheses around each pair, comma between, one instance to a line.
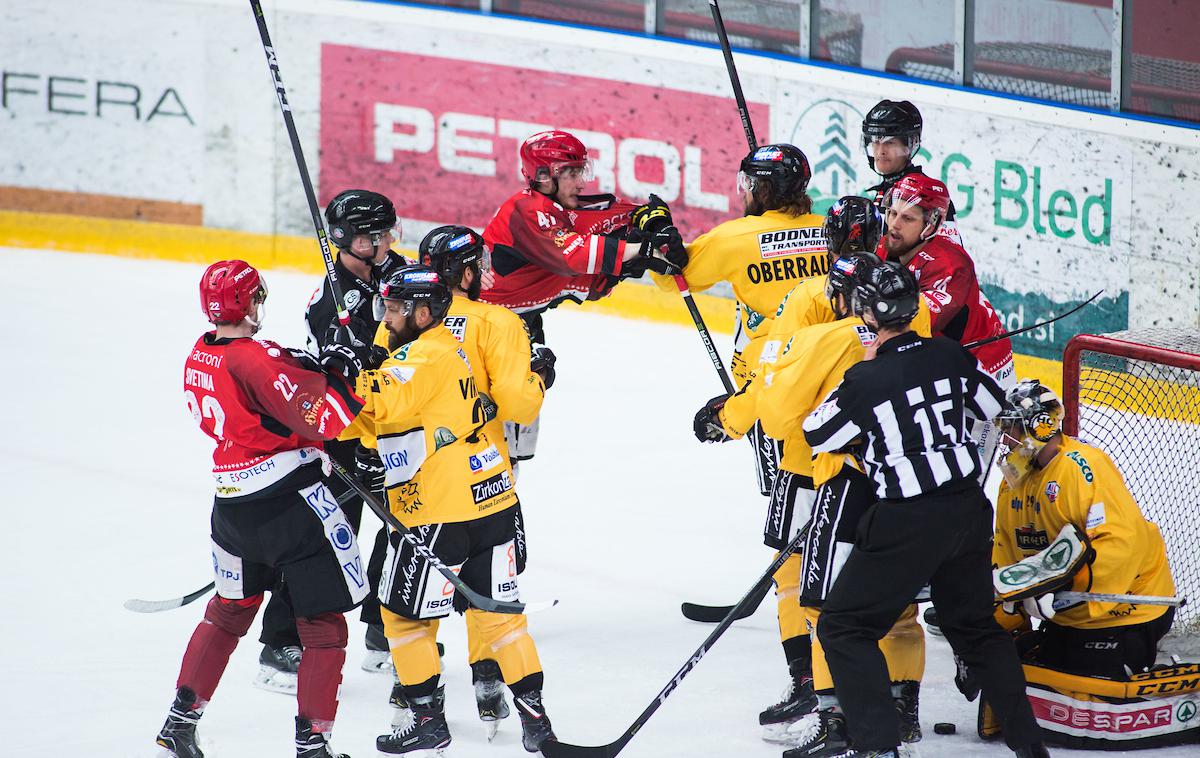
(944,727)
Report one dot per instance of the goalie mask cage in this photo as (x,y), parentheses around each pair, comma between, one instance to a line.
(1136,395)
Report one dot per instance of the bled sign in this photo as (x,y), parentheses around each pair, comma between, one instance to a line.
(440,136)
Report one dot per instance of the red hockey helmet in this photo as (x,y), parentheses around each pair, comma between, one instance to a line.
(231,291)
(924,192)
(544,154)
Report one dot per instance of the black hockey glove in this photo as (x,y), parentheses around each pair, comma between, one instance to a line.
(341,359)
(652,217)
(376,355)
(707,424)
(541,362)
(966,681)
(369,467)
(667,254)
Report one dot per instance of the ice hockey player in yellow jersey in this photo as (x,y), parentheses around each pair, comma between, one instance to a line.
(447,480)
(497,346)
(794,492)
(774,246)
(1051,480)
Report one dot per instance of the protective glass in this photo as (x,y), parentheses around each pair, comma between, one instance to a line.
(258,306)
(379,307)
(574,170)
(388,237)
(905,145)
(746,183)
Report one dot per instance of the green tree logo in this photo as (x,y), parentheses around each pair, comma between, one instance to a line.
(823,132)
(1186,711)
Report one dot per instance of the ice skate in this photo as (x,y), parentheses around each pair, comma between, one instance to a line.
(310,744)
(489,696)
(426,735)
(820,734)
(908,706)
(535,724)
(178,735)
(798,700)
(401,714)
(278,668)
(378,659)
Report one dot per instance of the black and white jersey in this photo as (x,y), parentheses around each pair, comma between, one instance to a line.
(905,413)
(321,314)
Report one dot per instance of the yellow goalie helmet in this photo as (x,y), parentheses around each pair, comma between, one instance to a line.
(1031,416)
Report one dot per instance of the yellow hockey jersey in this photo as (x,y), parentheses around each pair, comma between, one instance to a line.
(497,345)
(1082,486)
(804,306)
(762,257)
(442,466)
(810,365)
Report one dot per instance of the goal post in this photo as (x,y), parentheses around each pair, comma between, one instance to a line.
(1136,395)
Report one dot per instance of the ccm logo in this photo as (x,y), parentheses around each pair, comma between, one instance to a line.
(465,143)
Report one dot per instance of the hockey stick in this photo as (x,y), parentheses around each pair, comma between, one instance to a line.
(738,97)
(564,750)
(710,614)
(474,598)
(1013,333)
(1108,597)
(154,606)
(286,109)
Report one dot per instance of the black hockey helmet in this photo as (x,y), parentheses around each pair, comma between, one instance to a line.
(852,225)
(888,291)
(892,118)
(415,285)
(357,211)
(846,272)
(449,250)
(783,167)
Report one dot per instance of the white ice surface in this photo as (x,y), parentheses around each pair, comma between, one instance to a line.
(108,497)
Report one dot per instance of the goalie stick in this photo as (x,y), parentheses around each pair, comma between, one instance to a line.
(474,598)
(154,606)
(1108,597)
(554,749)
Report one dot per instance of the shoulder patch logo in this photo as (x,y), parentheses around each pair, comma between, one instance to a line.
(1052,491)
(865,335)
(457,326)
(1095,516)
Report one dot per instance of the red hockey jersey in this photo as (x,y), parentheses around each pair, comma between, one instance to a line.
(957,307)
(543,253)
(266,411)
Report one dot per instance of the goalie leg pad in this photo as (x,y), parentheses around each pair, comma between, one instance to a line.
(1080,720)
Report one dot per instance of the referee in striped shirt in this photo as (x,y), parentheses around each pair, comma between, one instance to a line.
(904,411)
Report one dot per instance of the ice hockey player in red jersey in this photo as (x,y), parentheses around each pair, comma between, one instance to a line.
(550,243)
(269,410)
(915,208)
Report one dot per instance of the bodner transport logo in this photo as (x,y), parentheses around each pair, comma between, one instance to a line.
(827,131)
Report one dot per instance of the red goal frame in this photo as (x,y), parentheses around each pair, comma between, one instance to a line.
(1100,343)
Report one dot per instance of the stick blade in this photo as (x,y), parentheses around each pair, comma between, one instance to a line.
(152,606)
(539,606)
(705,614)
(555,749)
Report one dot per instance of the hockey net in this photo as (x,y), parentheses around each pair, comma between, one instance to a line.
(1136,395)
(1063,73)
